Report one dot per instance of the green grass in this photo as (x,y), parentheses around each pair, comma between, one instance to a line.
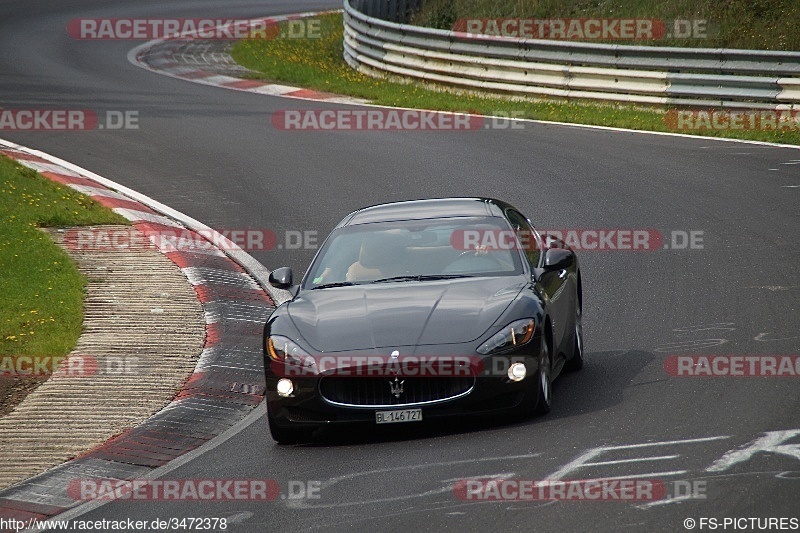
(749,24)
(41,290)
(318,64)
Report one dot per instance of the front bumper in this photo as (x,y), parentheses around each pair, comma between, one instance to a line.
(309,406)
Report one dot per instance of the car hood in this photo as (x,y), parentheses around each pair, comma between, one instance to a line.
(392,315)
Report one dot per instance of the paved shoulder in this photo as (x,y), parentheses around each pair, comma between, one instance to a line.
(143,331)
(220,325)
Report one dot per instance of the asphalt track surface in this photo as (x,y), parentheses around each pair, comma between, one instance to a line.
(213,154)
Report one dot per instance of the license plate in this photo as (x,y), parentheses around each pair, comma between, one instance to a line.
(393,417)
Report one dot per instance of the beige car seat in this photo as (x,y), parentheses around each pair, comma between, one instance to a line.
(380,256)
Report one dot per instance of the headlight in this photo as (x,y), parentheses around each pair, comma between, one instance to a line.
(285,350)
(510,337)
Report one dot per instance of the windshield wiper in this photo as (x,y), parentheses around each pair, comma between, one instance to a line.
(426,277)
(330,285)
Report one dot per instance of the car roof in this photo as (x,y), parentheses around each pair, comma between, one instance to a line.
(429,208)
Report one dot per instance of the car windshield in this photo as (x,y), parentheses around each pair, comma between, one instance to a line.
(415,250)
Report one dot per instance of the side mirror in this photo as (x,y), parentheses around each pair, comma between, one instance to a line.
(281,278)
(557,259)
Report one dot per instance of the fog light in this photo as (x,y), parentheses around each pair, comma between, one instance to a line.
(286,387)
(517,372)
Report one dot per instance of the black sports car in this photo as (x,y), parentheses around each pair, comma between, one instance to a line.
(416,310)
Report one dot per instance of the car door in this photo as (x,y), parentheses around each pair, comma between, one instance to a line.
(554,284)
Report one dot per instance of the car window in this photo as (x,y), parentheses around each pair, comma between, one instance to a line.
(460,246)
(527,236)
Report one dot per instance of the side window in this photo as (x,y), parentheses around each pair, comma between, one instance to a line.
(527,236)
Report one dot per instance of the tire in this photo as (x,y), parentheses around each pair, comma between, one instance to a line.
(544,382)
(288,435)
(578,357)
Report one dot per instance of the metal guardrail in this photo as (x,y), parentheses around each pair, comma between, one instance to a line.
(700,77)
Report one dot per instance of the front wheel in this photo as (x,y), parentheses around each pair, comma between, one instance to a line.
(578,357)
(544,382)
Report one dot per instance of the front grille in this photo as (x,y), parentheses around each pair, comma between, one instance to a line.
(375,392)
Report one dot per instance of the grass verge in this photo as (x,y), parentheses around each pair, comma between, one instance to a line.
(41,290)
(318,64)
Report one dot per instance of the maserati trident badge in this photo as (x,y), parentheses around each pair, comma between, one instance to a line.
(396,387)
